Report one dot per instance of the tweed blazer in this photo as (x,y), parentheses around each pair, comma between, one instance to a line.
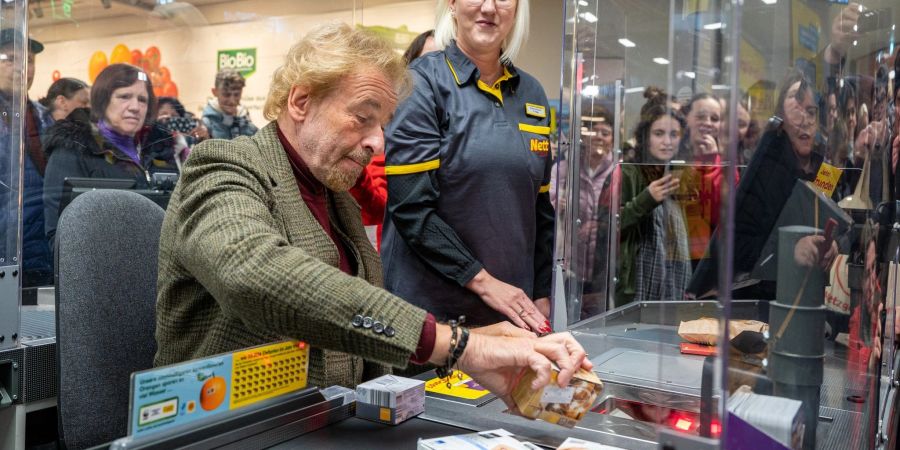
(242,262)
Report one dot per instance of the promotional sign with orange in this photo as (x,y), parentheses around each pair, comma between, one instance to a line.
(174,395)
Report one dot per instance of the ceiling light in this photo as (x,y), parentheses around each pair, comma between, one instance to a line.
(690,75)
(713,26)
(590,18)
(770,2)
(626,43)
(582,3)
(634,90)
(662,61)
(591,90)
(855,42)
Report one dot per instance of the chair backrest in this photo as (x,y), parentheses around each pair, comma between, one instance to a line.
(106,264)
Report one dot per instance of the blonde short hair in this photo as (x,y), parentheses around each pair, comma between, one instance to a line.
(445,30)
(328,53)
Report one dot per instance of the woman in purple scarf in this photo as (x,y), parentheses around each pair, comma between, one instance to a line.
(111,140)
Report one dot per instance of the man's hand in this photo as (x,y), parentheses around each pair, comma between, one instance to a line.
(510,301)
(497,363)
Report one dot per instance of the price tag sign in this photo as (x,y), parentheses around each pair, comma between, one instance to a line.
(827,178)
(181,393)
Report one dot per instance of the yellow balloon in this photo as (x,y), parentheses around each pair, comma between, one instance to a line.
(96,65)
(120,54)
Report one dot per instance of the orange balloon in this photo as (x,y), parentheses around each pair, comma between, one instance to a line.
(166,75)
(156,79)
(158,91)
(170,90)
(56,75)
(152,57)
(96,65)
(120,54)
(212,393)
(136,57)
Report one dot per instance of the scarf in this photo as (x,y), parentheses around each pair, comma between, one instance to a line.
(126,144)
(663,266)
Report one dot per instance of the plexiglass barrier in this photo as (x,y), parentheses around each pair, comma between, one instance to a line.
(16,189)
(731,166)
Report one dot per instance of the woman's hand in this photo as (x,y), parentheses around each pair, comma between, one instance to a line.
(200,132)
(497,362)
(707,145)
(510,301)
(503,329)
(543,306)
(809,252)
(663,187)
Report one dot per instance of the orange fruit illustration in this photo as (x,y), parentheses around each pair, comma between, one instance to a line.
(212,393)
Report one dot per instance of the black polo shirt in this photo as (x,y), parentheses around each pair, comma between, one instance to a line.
(468,169)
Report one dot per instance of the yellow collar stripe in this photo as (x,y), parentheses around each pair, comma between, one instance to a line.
(536,129)
(544,189)
(495,89)
(453,71)
(412,168)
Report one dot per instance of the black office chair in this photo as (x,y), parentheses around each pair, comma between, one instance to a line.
(106,254)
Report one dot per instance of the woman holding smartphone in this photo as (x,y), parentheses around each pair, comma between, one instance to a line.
(654,263)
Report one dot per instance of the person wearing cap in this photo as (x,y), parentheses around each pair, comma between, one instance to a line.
(37,264)
(262,242)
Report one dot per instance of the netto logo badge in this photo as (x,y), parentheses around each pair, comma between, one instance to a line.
(540,145)
(242,60)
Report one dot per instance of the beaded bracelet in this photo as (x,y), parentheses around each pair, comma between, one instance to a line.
(459,338)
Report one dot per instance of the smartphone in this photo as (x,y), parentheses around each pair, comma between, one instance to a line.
(874,19)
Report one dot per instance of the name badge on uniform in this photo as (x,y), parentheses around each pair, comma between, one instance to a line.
(535,110)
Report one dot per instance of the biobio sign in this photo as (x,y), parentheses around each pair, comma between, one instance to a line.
(243,60)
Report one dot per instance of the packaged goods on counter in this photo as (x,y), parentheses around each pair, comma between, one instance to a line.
(560,405)
(390,399)
(499,439)
(705,330)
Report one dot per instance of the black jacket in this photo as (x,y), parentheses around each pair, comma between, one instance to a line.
(762,193)
(75,148)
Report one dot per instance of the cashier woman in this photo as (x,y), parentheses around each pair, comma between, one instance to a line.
(469,229)
(262,242)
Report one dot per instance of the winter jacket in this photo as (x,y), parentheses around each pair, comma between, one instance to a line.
(75,148)
(223,126)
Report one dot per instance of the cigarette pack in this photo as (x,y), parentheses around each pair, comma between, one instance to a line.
(560,405)
(390,399)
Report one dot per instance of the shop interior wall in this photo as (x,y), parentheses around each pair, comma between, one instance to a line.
(189,41)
